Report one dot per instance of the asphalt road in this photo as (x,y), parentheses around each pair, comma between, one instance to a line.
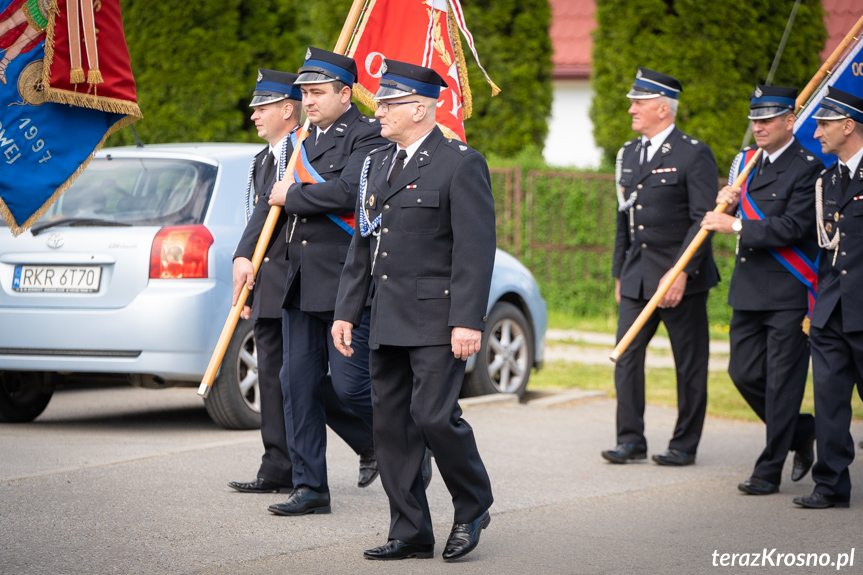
(134,481)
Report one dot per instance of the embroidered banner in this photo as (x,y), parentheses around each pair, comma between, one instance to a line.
(421,32)
(59,100)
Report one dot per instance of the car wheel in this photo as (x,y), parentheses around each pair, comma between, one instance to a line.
(24,395)
(234,402)
(506,354)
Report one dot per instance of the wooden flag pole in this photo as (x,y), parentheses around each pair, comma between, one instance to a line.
(817,79)
(269,227)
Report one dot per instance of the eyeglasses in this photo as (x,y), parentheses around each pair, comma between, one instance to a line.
(385,106)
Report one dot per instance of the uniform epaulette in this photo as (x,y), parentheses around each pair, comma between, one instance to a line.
(459,145)
(806,155)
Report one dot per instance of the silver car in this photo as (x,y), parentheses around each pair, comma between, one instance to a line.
(129,274)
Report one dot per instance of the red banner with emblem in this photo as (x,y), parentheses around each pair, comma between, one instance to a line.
(421,32)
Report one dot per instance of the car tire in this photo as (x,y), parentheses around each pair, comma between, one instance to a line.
(234,402)
(24,395)
(505,357)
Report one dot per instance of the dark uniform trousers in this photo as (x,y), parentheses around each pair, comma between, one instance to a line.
(266,299)
(669,196)
(308,353)
(769,350)
(428,380)
(836,334)
(687,327)
(316,251)
(432,272)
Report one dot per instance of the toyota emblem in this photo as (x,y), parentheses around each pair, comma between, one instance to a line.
(55,241)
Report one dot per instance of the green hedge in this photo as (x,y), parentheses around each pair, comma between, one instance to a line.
(195,65)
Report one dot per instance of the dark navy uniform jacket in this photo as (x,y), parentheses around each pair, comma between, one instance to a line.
(266,297)
(785,194)
(675,190)
(318,247)
(437,246)
(842,281)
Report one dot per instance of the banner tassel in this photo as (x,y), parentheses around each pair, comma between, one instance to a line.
(94,76)
(76,75)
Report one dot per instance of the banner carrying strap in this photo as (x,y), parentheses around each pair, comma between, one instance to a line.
(306,173)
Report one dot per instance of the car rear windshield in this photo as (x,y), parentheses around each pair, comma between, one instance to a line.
(138,191)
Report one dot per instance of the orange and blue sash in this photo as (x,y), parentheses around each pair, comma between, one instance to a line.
(791,258)
(306,173)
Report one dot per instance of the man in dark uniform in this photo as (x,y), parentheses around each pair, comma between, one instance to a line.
(319,229)
(773,280)
(667,182)
(836,333)
(276,104)
(425,254)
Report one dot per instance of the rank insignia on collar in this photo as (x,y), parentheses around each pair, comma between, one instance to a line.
(860,175)
(260,76)
(666,147)
(833,180)
(371,201)
(758,93)
(308,53)
(424,152)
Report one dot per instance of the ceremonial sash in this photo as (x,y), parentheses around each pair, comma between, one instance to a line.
(306,173)
(791,258)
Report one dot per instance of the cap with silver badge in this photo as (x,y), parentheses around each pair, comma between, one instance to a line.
(402,79)
(651,84)
(273,86)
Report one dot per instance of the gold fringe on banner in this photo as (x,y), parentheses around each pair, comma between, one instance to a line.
(94,76)
(460,64)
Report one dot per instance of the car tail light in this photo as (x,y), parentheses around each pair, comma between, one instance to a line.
(180,252)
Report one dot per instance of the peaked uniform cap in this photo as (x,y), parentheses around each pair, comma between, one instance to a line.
(651,84)
(838,105)
(323,66)
(771,101)
(402,79)
(273,86)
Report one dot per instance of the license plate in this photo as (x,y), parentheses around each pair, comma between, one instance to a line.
(57,278)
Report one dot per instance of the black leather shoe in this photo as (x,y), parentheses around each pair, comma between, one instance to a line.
(368,468)
(674,457)
(303,501)
(258,486)
(819,501)
(464,537)
(804,457)
(426,468)
(624,452)
(757,486)
(395,549)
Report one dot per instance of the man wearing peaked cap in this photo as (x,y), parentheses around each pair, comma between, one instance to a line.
(836,333)
(319,206)
(276,112)
(775,228)
(425,250)
(666,182)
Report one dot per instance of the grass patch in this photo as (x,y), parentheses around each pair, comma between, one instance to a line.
(608,324)
(723,399)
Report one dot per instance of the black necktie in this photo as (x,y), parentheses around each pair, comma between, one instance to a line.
(267,171)
(397,167)
(644,147)
(764,164)
(845,174)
